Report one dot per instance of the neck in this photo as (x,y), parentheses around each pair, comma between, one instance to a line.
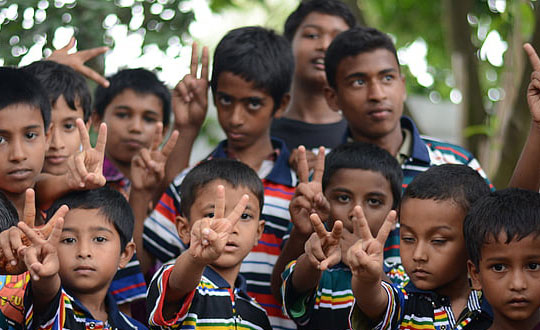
(229,274)
(254,155)
(95,303)
(309,105)
(502,323)
(390,142)
(458,292)
(123,167)
(17,200)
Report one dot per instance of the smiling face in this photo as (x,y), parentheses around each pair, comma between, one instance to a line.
(65,139)
(369,189)
(310,42)
(89,252)
(509,276)
(370,92)
(244,111)
(432,246)
(23,144)
(131,120)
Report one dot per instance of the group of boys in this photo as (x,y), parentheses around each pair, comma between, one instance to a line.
(388,230)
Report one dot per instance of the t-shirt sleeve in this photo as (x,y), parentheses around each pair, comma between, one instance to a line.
(297,306)
(128,283)
(156,300)
(475,164)
(160,237)
(391,317)
(50,318)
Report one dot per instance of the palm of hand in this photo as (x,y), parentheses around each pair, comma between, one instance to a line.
(200,247)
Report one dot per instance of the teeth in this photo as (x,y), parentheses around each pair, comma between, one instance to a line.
(319,61)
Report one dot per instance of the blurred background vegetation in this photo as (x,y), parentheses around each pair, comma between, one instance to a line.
(463,52)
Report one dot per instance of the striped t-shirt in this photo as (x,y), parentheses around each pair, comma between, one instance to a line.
(213,304)
(160,237)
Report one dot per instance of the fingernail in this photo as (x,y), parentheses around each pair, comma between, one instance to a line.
(35,277)
(206,231)
(13,262)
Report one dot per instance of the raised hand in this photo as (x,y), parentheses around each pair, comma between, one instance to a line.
(190,96)
(148,166)
(76,60)
(40,257)
(210,235)
(308,197)
(85,169)
(322,248)
(533,91)
(365,257)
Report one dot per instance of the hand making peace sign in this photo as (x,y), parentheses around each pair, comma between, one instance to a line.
(322,247)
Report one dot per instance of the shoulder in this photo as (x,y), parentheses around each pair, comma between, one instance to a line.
(446,153)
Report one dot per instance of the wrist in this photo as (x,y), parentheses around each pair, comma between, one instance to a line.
(299,234)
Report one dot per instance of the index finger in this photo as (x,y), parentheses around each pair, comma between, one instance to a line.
(204,63)
(51,224)
(319,167)
(318,225)
(386,227)
(57,231)
(219,211)
(101,139)
(29,212)
(236,213)
(156,140)
(360,224)
(533,56)
(302,165)
(194,60)
(88,54)
(169,146)
(83,134)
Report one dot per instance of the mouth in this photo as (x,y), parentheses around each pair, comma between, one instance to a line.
(420,273)
(519,302)
(230,247)
(84,270)
(20,173)
(318,62)
(380,114)
(56,159)
(235,135)
(133,144)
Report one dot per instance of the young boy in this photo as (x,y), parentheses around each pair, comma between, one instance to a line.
(309,121)
(366,85)
(434,256)
(317,286)
(251,75)
(222,200)
(501,234)
(71,271)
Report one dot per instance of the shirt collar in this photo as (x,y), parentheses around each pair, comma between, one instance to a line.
(111,172)
(240,283)
(281,172)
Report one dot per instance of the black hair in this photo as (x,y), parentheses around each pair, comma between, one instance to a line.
(59,79)
(109,203)
(512,211)
(364,156)
(328,7)
(448,182)
(20,87)
(352,42)
(232,171)
(8,213)
(257,55)
(141,81)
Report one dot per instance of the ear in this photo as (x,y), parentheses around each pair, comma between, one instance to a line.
(184,229)
(95,121)
(282,106)
(260,230)
(331,98)
(474,276)
(127,254)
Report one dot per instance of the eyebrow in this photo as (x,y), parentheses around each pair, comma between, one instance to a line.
(363,74)
(434,229)
(369,193)
(95,228)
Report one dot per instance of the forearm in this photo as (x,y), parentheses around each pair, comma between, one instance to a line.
(291,251)
(305,276)
(370,297)
(44,290)
(527,171)
(184,278)
(49,188)
(138,201)
(179,158)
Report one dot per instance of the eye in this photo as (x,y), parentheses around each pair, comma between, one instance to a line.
(100,239)
(150,119)
(374,202)
(498,268)
(246,216)
(68,240)
(209,215)
(224,100)
(121,115)
(533,266)
(358,82)
(2,140)
(343,198)
(388,77)
(438,241)
(31,135)
(254,104)
(311,35)
(69,126)
(408,239)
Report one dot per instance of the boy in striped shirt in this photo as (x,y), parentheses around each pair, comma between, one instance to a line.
(222,201)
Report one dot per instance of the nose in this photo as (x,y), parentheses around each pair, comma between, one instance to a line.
(420,253)
(376,91)
(57,142)
(324,41)
(518,281)
(237,115)
(17,152)
(135,124)
(83,249)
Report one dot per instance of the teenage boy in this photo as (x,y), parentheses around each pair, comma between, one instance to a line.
(72,270)
(434,256)
(251,75)
(360,180)
(502,238)
(366,84)
(222,200)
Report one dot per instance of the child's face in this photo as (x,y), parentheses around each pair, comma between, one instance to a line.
(369,189)
(89,251)
(310,42)
(370,92)
(244,111)
(245,234)
(509,276)
(65,139)
(22,147)
(432,246)
(131,120)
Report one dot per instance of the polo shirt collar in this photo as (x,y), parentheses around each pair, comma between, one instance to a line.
(280,173)
(240,282)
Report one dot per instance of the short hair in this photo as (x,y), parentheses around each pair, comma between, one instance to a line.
(20,87)
(232,171)
(141,81)
(8,213)
(364,156)
(512,211)
(109,203)
(448,182)
(327,7)
(59,79)
(352,42)
(257,55)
